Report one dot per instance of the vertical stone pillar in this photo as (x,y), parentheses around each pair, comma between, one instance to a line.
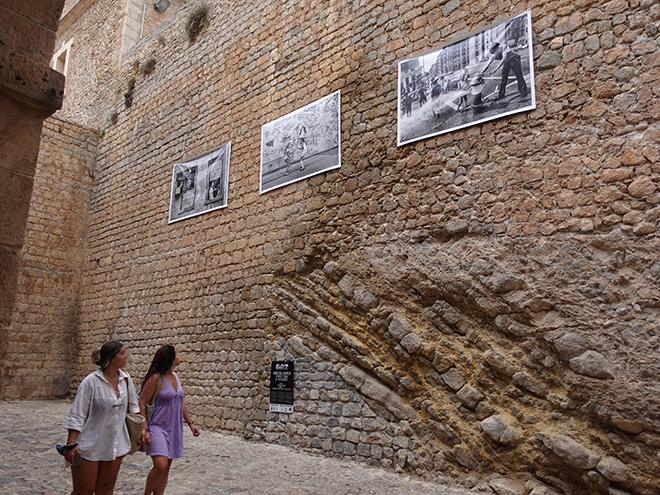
(30,91)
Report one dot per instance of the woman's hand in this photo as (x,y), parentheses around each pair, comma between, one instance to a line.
(194,429)
(145,439)
(70,455)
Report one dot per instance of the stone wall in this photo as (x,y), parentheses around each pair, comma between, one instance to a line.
(480,305)
(95,55)
(29,92)
(41,339)
(142,18)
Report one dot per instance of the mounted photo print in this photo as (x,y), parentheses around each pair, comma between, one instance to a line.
(485,76)
(301,144)
(200,184)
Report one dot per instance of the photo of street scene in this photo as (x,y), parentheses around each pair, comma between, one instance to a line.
(485,76)
(200,185)
(301,144)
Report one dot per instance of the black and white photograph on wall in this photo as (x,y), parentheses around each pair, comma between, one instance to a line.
(200,184)
(301,144)
(485,76)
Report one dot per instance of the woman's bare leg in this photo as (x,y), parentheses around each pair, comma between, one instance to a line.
(84,477)
(160,489)
(108,471)
(155,476)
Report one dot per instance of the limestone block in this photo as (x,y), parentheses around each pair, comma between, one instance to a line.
(642,187)
(499,363)
(571,452)
(506,486)
(453,379)
(411,342)
(364,298)
(353,376)
(502,283)
(384,396)
(399,327)
(298,346)
(629,425)
(463,457)
(548,60)
(613,469)
(530,383)
(457,227)
(571,345)
(591,363)
(333,270)
(500,429)
(537,488)
(510,326)
(347,285)
(470,396)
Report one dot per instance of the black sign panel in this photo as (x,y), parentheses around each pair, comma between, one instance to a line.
(281,386)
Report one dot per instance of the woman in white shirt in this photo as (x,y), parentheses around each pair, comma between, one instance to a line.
(97,423)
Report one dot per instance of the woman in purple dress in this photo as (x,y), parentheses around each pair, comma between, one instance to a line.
(163,435)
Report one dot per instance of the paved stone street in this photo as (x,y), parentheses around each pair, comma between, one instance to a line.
(212,464)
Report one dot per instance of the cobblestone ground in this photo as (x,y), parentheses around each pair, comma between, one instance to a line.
(211,464)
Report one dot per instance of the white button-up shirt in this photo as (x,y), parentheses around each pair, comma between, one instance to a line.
(100,416)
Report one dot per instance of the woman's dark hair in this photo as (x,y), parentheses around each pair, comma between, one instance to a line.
(103,356)
(161,363)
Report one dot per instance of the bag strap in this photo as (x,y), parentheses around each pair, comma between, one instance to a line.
(128,402)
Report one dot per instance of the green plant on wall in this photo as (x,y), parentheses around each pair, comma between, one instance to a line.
(197,21)
(128,95)
(148,67)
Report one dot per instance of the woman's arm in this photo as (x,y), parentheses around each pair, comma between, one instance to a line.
(82,405)
(77,417)
(132,397)
(147,394)
(188,419)
(70,453)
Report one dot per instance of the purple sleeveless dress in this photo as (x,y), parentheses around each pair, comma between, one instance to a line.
(166,425)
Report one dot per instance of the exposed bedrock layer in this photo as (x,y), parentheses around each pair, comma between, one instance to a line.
(533,359)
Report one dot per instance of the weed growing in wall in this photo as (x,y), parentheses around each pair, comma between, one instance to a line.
(197,21)
(128,95)
(148,67)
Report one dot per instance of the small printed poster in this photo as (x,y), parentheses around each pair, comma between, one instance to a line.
(199,185)
(281,386)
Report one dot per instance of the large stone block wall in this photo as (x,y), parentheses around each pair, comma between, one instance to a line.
(480,305)
(42,335)
(29,92)
(94,56)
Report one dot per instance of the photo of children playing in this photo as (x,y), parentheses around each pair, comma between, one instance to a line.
(483,77)
(303,143)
